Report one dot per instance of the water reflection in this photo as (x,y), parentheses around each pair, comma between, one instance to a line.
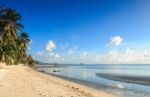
(88,73)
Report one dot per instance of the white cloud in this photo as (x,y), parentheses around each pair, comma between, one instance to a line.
(129,51)
(84,55)
(146,53)
(48,57)
(116,40)
(70,51)
(50,46)
(127,56)
(112,52)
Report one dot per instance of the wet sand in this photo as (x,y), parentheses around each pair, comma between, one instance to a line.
(22,81)
(143,80)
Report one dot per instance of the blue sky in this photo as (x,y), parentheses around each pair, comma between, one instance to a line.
(86,31)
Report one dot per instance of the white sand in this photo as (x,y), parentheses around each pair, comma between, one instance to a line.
(22,81)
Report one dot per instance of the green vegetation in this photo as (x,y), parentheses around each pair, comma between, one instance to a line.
(13,41)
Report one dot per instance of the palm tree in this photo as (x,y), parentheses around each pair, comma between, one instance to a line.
(24,40)
(9,22)
(13,45)
(31,61)
(9,28)
(7,54)
(22,46)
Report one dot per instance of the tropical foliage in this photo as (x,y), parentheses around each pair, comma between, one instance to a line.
(13,42)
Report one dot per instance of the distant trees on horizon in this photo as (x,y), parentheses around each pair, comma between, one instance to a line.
(13,41)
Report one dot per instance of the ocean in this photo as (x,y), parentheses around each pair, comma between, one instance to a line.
(127,80)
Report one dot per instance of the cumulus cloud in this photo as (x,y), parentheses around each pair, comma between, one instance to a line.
(116,40)
(48,57)
(127,56)
(146,53)
(50,46)
(129,51)
(84,55)
(70,51)
(114,56)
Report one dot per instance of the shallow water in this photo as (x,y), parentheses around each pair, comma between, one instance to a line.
(88,73)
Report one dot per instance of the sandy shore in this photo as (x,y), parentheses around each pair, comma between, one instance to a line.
(22,81)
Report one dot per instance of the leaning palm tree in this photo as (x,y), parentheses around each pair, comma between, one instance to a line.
(9,22)
(13,45)
(24,40)
(22,46)
(9,28)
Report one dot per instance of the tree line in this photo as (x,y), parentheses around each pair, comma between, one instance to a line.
(13,40)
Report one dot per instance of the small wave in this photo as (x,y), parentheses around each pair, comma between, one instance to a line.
(117,85)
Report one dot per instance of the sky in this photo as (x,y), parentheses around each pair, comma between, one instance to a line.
(86,31)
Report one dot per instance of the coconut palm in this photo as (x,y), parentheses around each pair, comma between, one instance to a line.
(7,54)
(9,22)
(13,45)
(24,40)
(9,28)
(22,46)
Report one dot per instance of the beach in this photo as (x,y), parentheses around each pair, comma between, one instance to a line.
(123,80)
(22,81)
